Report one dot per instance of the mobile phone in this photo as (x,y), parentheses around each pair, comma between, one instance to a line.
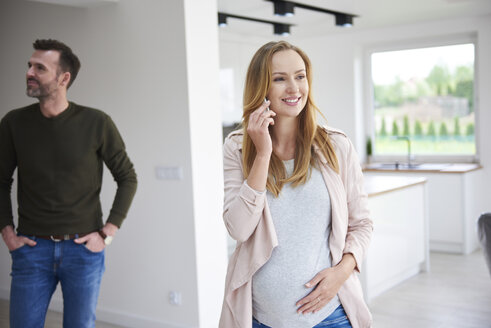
(265,100)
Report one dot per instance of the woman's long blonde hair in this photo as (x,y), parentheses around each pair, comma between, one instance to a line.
(258,82)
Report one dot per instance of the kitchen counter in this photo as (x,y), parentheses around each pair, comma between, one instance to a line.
(377,185)
(422,167)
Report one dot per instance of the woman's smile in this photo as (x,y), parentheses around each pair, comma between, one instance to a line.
(291,101)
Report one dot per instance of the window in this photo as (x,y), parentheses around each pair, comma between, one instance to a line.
(424,97)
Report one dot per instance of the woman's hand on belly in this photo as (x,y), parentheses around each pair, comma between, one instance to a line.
(327,282)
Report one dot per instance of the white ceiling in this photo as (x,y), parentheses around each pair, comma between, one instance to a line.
(372,13)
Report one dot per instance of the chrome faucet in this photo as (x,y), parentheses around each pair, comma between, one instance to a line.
(408,148)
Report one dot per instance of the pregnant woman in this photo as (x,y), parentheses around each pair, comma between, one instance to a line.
(295,203)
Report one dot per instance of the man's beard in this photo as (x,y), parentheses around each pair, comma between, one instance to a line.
(41,90)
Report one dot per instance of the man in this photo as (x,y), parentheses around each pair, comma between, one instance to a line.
(58,148)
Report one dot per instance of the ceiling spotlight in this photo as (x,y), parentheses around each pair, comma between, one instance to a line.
(282,8)
(281,29)
(344,20)
(222,20)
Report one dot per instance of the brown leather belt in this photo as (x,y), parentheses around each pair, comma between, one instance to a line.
(62,237)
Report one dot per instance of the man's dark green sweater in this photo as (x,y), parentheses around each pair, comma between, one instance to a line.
(59,163)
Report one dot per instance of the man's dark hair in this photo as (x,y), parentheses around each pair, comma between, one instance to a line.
(69,62)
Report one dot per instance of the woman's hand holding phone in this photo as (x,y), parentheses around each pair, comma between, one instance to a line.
(259,122)
(257,128)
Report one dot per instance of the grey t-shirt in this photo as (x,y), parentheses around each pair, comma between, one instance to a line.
(302,220)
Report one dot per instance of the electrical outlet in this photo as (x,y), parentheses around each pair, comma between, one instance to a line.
(175,298)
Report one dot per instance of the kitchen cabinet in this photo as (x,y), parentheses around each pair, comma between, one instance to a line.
(399,248)
(455,201)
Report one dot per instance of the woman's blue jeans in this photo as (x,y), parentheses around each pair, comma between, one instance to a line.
(37,270)
(337,319)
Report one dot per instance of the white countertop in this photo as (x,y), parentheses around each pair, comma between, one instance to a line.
(423,167)
(376,185)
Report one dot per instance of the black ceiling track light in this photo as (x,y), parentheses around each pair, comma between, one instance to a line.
(279,28)
(286,8)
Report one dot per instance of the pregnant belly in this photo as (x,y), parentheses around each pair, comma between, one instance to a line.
(276,290)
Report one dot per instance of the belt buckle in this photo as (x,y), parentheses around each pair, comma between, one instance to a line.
(65,237)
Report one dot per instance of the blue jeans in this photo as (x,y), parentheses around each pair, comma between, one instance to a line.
(337,319)
(37,270)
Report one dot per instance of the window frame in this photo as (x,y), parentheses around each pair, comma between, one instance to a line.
(409,44)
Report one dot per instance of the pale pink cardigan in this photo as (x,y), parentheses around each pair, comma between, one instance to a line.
(248,220)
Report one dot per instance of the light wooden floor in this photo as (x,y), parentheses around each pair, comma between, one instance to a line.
(455,294)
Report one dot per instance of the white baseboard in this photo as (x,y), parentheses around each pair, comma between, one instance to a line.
(110,316)
(133,320)
(446,247)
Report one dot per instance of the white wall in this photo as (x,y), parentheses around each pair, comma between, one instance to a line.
(235,53)
(206,150)
(137,66)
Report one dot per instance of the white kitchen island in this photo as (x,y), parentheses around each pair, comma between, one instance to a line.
(456,197)
(400,244)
